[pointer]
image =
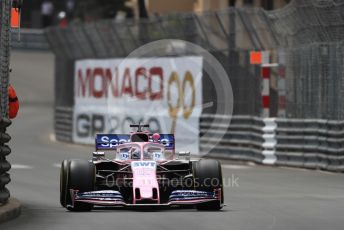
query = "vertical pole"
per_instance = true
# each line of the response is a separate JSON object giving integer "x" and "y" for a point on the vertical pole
{"x": 5, "y": 54}
{"x": 265, "y": 74}
{"x": 143, "y": 14}
{"x": 232, "y": 29}
{"x": 281, "y": 84}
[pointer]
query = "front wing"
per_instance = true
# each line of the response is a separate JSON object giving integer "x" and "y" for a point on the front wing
{"x": 115, "y": 199}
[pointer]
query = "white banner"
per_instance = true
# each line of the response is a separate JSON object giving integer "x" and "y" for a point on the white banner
{"x": 166, "y": 93}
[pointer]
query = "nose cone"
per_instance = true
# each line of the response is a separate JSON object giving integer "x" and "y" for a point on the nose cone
{"x": 144, "y": 179}
{"x": 146, "y": 193}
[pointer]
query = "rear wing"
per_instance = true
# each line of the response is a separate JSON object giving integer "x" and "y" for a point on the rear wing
{"x": 167, "y": 140}
{"x": 111, "y": 141}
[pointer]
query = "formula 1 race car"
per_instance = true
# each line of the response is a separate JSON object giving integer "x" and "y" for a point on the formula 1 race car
{"x": 144, "y": 171}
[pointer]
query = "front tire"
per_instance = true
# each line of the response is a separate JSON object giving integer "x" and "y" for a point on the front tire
{"x": 208, "y": 176}
{"x": 63, "y": 182}
{"x": 81, "y": 177}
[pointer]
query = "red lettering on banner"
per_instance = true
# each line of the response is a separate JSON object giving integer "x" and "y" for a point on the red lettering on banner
{"x": 101, "y": 82}
{"x": 126, "y": 83}
{"x": 84, "y": 82}
{"x": 157, "y": 74}
{"x": 112, "y": 82}
{"x": 98, "y": 93}
{"x": 140, "y": 73}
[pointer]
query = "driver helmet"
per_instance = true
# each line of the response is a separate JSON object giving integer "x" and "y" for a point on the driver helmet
{"x": 135, "y": 154}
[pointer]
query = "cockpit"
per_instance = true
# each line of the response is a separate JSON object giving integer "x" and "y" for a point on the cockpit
{"x": 135, "y": 151}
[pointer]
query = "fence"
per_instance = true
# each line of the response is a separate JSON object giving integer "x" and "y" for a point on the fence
{"x": 211, "y": 30}
{"x": 5, "y": 7}
{"x": 309, "y": 32}
{"x": 312, "y": 33}
{"x": 315, "y": 79}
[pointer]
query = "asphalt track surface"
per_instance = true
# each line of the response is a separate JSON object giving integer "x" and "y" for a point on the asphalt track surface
{"x": 258, "y": 198}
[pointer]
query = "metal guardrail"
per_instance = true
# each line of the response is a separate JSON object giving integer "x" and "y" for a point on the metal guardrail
{"x": 63, "y": 121}
{"x": 243, "y": 139}
{"x": 314, "y": 144}
{"x": 30, "y": 39}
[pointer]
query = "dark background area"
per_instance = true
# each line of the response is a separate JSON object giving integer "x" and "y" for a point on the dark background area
{"x": 90, "y": 10}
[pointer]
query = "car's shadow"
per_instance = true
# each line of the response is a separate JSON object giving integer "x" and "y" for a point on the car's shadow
{"x": 155, "y": 209}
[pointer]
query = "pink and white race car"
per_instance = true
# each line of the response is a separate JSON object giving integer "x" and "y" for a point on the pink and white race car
{"x": 143, "y": 171}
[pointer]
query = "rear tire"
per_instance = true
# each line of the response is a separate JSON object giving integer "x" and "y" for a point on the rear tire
{"x": 208, "y": 176}
{"x": 81, "y": 177}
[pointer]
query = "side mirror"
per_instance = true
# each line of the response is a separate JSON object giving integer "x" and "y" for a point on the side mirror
{"x": 185, "y": 154}
{"x": 97, "y": 155}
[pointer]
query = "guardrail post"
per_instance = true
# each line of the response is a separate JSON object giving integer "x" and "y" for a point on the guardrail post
{"x": 269, "y": 145}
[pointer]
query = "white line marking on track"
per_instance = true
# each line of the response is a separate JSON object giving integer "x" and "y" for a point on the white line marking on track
{"x": 235, "y": 167}
{"x": 57, "y": 165}
{"x": 19, "y": 166}
{"x": 251, "y": 164}
{"x": 52, "y": 137}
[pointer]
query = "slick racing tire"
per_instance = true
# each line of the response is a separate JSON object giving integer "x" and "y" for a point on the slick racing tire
{"x": 63, "y": 182}
{"x": 81, "y": 177}
{"x": 207, "y": 177}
